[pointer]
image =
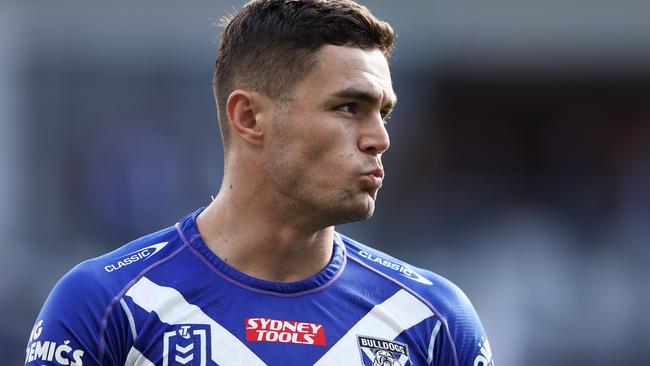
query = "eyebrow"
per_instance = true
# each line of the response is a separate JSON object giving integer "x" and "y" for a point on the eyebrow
{"x": 363, "y": 96}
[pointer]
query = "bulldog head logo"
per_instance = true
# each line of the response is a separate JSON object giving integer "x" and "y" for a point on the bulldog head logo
{"x": 385, "y": 358}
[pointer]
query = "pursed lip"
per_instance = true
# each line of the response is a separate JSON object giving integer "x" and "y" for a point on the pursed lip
{"x": 379, "y": 173}
{"x": 375, "y": 177}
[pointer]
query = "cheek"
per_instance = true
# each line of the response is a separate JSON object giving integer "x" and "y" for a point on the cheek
{"x": 332, "y": 144}
{"x": 316, "y": 145}
{"x": 333, "y": 151}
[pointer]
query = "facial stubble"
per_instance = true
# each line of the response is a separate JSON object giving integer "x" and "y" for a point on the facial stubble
{"x": 327, "y": 200}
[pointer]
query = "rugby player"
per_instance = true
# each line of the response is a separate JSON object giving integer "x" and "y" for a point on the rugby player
{"x": 260, "y": 276}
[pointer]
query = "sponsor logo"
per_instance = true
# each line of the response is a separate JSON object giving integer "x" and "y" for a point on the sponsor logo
{"x": 403, "y": 269}
{"x": 186, "y": 344}
{"x": 139, "y": 255}
{"x": 382, "y": 352}
{"x": 485, "y": 357}
{"x": 284, "y": 331}
{"x": 51, "y": 351}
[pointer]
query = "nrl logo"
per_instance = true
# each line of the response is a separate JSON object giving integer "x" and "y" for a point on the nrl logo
{"x": 381, "y": 352}
{"x": 187, "y": 344}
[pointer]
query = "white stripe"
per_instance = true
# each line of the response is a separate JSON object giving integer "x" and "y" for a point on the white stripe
{"x": 403, "y": 359}
{"x": 386, "y": 320}
{"x": 172, "y": 308}
{"x": 135, "y": 358}
{"x": 432, "y": 342}
{"x": 129, "y": 316}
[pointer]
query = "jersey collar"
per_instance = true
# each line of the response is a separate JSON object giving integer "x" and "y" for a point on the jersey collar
{"x": 321, "y": 280}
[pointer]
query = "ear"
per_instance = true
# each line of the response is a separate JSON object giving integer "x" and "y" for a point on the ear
{"x": 247, "y": 114}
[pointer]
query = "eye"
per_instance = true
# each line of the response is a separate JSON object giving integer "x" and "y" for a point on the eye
{"x": 347, "y": 108}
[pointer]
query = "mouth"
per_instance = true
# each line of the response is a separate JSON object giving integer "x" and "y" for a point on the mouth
{"x": 379, "y": 173}
{"x": 374, "y": 178}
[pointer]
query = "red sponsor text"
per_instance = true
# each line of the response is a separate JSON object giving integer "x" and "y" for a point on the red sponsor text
{"x": 284, "y": 331}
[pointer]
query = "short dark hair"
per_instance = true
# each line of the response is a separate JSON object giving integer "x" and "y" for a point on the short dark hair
{"x": 269, "y": 45}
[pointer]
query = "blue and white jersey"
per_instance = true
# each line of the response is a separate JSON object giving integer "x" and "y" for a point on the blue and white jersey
{"x": 167, "y": 300}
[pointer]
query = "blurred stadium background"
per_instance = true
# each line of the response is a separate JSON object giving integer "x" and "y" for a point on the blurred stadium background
{"x": 519, "y": 166}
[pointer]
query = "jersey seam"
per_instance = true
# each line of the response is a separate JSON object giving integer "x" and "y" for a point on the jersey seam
{"x": 120, "y": 295}
{"x": 419, "y": 297}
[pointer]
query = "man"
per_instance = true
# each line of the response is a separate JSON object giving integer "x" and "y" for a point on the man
{"x": 260, "y": 277}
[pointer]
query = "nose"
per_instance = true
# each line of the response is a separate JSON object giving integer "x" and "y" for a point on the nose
{"x": 374, "y": 138}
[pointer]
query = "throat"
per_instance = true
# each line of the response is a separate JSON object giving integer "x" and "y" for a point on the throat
{"x": 275, "y": 261}
{"x": 279, "y": 254}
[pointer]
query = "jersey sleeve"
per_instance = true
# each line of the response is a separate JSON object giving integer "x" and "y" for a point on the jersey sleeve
{"x": 465, "y": 343}
{"x": 81, "y": 323}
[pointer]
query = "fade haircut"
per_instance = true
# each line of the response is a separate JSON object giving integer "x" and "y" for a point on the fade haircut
{"x": 269, "y": 45}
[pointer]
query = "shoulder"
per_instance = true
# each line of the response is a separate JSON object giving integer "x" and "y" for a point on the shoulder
{"x": 132, "y": 258}
{"x": 83, "y": 311}
{"x": 112, "y": 271}
{"x": 433, "y": 288}
{"x": 466, "y": 336}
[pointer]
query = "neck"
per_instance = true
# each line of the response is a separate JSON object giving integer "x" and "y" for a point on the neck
{"x": 260, "y": 238}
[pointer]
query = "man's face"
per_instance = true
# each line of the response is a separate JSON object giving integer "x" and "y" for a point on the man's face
{"x": 325, "y": 147}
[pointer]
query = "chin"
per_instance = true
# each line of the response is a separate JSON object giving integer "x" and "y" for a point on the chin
{"x": 350, "y": 209}
{"x": 361, "y": 211}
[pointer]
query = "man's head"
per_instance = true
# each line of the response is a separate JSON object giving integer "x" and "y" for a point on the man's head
{"x": 269, "y": 45}
{"x": 304, "y": 88}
